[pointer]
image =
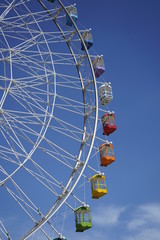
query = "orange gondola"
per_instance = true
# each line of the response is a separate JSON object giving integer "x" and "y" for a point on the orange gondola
{"x": 106, "y": 154}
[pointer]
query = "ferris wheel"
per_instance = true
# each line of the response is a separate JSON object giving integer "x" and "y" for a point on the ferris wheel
{"x": 48, "y": 118}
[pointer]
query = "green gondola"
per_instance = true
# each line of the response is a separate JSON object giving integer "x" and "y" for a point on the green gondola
{"x": 83, "y": 218}
{"x": 52, "y": 1}
{"x": 59, "y": 239}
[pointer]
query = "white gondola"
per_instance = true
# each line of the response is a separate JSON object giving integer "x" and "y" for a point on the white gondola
{"x": 105, "y": 93}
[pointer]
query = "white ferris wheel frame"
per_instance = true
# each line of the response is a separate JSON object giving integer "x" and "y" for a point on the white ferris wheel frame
{"x": 79, "y": 166}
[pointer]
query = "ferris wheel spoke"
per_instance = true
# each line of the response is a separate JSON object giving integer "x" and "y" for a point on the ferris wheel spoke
{"x": 54, "y": 146}
{"x": 17, "y": 125}
{"x": 68, "y": 124}
{"x": 69, "y": 78}
{"x": 24, "y": 119}
{"x": 21, "y": 196}
{"x": 12, "y": 141}
{"x": 52, "y": 182}
{"x": 57, "y": 184}
{"x": 28, "y": 206}
{"x": 33, "y": 101}
{"x": 28, "y": 106}
{"x": 35, "y": 80}
{"x": 63, "y": 59}
{"x": 4, "y": 232}
{"x": 32, "y": 34}
{"x": 29, "y": 66}
{"x": 68, "y": 85}
{"x": 53, "y": 154}
{"x": 63, "y": 128}
{"x": 9, "y": 7}
{"x": 23, "y": 204}
{"x": 4, "y": 154}
{"x": 23, "y": 134}
{"x": 11, "y": 149}
{"x": 71, "y": 108}
{"x": 41, "y": 179}
{"x": 23, "y": 131}
{"x": 70, "y": 103}
{"x": 66, "y": 133}
{"x": 35, "y": 88}
{"x": 30, "y": 70}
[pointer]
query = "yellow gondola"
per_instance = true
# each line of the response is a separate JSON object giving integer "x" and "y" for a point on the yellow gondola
{"x": 98, "y": 186}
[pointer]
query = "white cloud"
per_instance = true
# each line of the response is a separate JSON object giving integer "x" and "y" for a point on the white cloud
{"x": 108, "y": 215}
{"x": 151, "y": 212}
{"x": 136, "y": 223}
{"x": 144, "y": 234}
{"x": 145, "y": 216}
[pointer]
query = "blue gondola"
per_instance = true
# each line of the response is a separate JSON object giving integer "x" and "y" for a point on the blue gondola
{"x": 88, "y": 39}
{"x": 72, "y": 10}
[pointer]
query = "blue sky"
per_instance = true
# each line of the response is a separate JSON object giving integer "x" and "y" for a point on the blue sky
{"x": 127, "y": 34}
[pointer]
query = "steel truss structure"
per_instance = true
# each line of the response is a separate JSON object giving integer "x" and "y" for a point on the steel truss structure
{"x": 48, "y": 114}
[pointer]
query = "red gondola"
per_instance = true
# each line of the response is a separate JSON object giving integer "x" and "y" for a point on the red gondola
{"x": 109, "y": 123}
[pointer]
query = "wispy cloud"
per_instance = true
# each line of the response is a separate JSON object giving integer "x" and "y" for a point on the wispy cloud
{"x": 107, "y": 215}
{"x": 145, "y": 234}
{"x": 145, "y": 216}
